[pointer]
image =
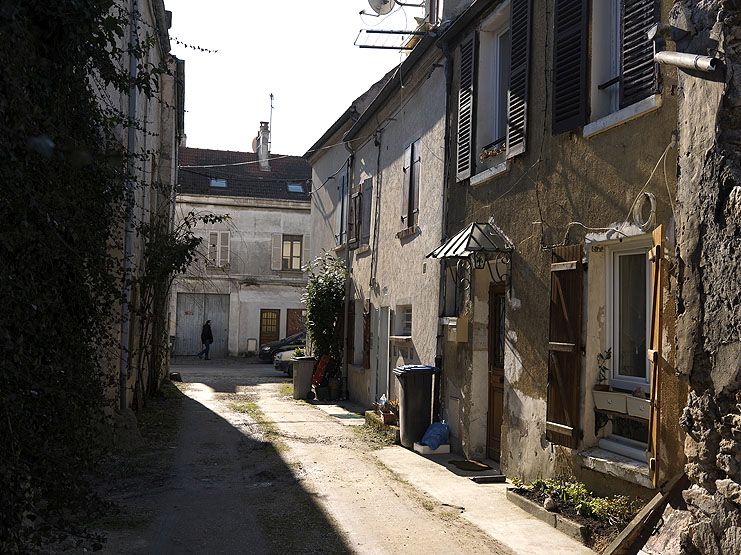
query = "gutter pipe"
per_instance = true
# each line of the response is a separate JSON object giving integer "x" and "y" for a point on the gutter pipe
{"x": 686, "y": 61}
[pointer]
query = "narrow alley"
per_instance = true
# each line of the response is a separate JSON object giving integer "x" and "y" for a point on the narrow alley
{"x": 256, "y": 471}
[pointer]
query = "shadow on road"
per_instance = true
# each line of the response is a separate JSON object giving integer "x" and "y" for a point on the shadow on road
{"x": 229, "y": 491}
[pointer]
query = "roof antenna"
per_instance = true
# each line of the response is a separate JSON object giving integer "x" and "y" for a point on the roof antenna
{"x": 270, "y": 137}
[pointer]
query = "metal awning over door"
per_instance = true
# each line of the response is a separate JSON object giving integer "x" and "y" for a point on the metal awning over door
{"x": 476, "y": 238}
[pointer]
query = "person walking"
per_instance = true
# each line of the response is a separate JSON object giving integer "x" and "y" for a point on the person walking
{"x": 207, "y": 337}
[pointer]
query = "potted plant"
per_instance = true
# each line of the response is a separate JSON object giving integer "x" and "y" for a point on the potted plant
{"x": 604, "y": 399}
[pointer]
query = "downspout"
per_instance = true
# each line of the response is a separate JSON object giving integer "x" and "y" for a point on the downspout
{"x": 438, "y": 399}
{"x": 348, "y": 261}
{"x": 128, "y": 247}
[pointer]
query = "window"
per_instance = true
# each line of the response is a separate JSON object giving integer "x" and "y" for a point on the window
{"x": 218, "y": 248}
{"x": 410, "y": 187}
{"x": 494, "y": 70}
{"x": 218, "y": 183}
{"x": 493, "y": 88}
{"x": 341, "y": 209}
{"x": 403, "y": 317}
{"x": 360, "y": 213}
{"x": 292, "y": 245}
{"x": 296, "y": 188}
{"x": 621, "y": 62}
{"x": 629, "y": 319}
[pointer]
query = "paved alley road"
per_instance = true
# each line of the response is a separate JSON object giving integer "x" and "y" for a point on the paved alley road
{"x": 257, "y": 472}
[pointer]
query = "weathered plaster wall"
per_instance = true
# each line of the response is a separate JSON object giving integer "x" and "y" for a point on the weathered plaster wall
{"x": 394, "y": 270}
{"x": 709, "y": 266}
{"x": 249, "y": 279}
{"x": 560, "y": 179}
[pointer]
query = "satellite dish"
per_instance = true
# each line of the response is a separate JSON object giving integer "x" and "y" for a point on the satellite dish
{"x": 254, "y": 144}
{"x": 382, "y": 7}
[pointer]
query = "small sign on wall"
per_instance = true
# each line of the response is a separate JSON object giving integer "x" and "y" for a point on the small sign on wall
{"x": 189, "y": 313}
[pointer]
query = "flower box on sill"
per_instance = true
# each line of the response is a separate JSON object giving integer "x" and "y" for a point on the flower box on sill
{"x": 640, "y": 408}
{"x": 610, "y": 401}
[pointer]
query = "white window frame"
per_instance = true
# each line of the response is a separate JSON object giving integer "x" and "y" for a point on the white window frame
{"x": 490, "y": 87}
{"x": 630, "y": 246}
{"x": 222, "y": 247}
{"x": 291, "y": 240}
{"x": 604, "y": 65}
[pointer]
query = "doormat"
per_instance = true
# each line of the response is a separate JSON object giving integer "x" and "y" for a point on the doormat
{"x": 472, "y": 466}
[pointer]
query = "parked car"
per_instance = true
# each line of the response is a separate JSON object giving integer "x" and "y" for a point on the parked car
{"x": 268, "y": 351}
{"x": 282, "y": 361}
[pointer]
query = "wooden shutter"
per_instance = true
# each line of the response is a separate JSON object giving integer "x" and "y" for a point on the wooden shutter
{"x": 276, "y": 259}
{"x": 570, "y": 65}
{"x": 406, "y": 186}
{"x": 341, "y": 209}
{"x": 354, "y": 218}
{"x": 654, "y": 351}
{"x": 224, "y": 248}
{"x": 306, "y": 249}
{"x": 213, "y": 248}
{"x": 467, "y": 109}
{"x": 519, "y": 74}
{"x": 414, "y": 184}
{"x": 637, "y": 67}
{"x": 366, "y": 335}
{"x": 366, "y": 203}
{"x": 351, "y": 332}
{"x": 564, "y": 347}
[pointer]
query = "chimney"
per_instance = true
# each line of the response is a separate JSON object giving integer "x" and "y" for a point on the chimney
{"x": 263, "y": 146}
{"x": 452, "y": 8}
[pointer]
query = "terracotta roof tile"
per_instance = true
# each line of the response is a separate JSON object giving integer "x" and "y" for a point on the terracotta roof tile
{"x": 246, "y": 180}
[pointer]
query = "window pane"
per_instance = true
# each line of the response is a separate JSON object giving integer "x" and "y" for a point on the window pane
{"x": 296, "y": 265}
{"x": 632, "y": 316}
{"x": 296, "y": 249}
{"x": 286, "y": 248}
{"x": 504, "y": 71}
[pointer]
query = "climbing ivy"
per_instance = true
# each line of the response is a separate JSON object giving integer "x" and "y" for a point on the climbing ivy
{"x": 62, "y": 176}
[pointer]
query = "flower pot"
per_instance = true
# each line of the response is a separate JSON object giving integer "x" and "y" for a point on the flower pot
{"x": 640, "y": 408}
{"x": 389, "y": 418}
{"x": 335, "y": 389}
{"x": 610, "y": 400}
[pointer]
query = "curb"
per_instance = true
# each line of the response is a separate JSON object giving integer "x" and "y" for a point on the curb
{"x": 572, "y": 529}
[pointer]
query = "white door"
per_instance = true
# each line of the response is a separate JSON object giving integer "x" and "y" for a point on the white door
{"x": 193, "y": 309}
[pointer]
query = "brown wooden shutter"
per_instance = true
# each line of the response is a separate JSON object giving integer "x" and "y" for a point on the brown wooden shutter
{"x": 564, "y": 347}
{"x": 366, "y": 335}
{"x": 354, "y": 219}
{"x": 365, "y": 209}
{"x": 414, "y": 184}
{"x": 351, "y": 332}
{"x": 654, "y": 351}
{"x": 519, "y": 77}
{"x": 637, "y": 68}
{"x": 467, "y": 109}
{"x": 213, "y": 248}
{"x": 570, "y": 65}
{"x": 406, "y": 186}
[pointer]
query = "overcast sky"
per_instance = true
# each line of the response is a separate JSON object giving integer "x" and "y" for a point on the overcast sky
{"x": 301, "y": 51}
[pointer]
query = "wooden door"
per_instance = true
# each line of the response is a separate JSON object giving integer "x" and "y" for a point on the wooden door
{"x": 269, "y": 325}
{"x": 295, "y": 321}
{"x": 496, "y": 371}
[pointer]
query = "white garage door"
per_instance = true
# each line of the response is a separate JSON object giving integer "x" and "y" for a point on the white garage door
{"x": 193, "y": 309}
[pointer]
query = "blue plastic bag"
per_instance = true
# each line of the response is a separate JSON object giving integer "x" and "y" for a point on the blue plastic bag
{"x": 435, "y": 436}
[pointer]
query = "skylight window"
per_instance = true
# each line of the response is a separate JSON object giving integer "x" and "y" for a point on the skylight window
{"x": 296, "y": 188}
{"x": 221, "y": 183}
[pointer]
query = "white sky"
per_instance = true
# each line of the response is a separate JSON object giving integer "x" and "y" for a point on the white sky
{"x": 301, "y": 51}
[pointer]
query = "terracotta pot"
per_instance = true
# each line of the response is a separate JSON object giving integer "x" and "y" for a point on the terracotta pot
{"x": 389, "y": 418}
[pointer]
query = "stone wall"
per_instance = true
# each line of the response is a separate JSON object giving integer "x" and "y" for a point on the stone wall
{"x": 708, "y": 274}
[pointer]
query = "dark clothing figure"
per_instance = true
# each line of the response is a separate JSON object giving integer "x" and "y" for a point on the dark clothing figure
{"x": 207, "y": 337}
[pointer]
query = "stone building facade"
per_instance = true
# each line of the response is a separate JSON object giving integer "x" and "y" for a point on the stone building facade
{"x": 563, "y": 152}
{"x": 248, "y": 278}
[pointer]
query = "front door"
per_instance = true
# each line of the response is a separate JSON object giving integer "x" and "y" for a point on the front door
{"x": 496, "y": 370}
{"x": 269, "y": 325}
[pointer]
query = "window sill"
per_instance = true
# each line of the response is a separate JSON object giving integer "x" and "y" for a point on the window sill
{"x": 400, "y": 338}
{"x": 485, "y": 176}
{"x": 622, "y": 116}
{"x": 340, "y": 248}
{"x": 408, "y": 232}
{"x": 618, "y": 466}
{"x": 361, "y": 250}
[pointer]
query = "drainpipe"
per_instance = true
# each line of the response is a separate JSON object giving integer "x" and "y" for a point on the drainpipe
{"x": 437, "y": 401}
{"x": 348, "y": 261}
{"x": 128, "y": 247}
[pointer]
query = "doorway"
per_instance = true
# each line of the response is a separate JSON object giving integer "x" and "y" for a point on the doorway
{"x": 193, "y": 309}
{"x": 496, "y": 371}
{"x": 269, "y": 325}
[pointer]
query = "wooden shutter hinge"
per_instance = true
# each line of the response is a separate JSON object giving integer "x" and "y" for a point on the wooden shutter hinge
{"x": 652, "y": 464}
